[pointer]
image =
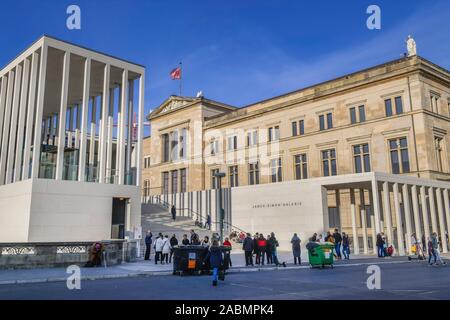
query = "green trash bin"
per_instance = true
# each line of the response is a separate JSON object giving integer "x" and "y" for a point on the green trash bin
{"x": 320, "y": 254}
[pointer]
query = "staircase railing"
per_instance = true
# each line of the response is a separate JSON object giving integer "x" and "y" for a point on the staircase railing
{"x": 198, "y": 215}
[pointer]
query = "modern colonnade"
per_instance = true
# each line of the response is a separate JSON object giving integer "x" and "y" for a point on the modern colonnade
{"x": 401, "y": 206}
{"x": 66, "y": 99}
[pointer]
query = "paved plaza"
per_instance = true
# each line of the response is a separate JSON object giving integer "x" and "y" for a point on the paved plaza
{"x": 400, "y": 279}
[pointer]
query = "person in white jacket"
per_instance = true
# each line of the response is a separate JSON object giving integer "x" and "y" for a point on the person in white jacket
{"x": 159, "y": 244}
{"x": 166, "y": 249}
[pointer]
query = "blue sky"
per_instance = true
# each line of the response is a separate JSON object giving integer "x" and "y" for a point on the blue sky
{"x": 235, "y": 51}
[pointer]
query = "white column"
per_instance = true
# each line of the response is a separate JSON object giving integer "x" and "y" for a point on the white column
{"x": 441, "y": 219}
{"x": 426, "y": 222}
{"x": 13, "y": 125}
{"x": 447, "y": 209}
{"x": 129, "y": 131}
{"x": 434, "y": 225}
{"x": 121, "y": 141}
{"x": 376, "y": 205}
{"x": 387, "y": 211}
{"x": 4, "y": 151}
{"x": 141, "y": 130}
{"x": 39, "y": 111}
{"x": 109, "y": 138}
{"x": 77, "y": 127}
{"x": 70, "y": 129}
{"x": 363, "y": 220}
{"x": 84, "y": 119}
{"x": 353, "y": 213}
{"x": 3, "y": 93}
{"x": 398, "y": 219}
{"x": 92, "y": 134}
{"x": 102, "y": 139}
{"x": 62, "y": 117}
{"x": 415, "y": 202}
{"x": 21, "y": 122}
{"x": 407, "y": 209}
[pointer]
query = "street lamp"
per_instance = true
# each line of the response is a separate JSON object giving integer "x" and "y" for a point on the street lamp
{"x": 219, "y": 176}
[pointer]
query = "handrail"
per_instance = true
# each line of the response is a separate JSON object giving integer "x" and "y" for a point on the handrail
{"x": 167, "y": 204}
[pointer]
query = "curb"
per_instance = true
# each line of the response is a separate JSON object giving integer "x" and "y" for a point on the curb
{"x": 165, "y": 273}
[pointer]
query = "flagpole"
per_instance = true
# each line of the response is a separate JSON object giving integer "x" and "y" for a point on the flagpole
{"x": 181, "y": 76}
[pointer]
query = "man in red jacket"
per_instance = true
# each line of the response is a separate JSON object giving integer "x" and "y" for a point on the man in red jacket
{"x": 262, "y": 244}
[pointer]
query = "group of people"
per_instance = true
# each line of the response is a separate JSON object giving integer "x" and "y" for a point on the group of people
{"x": 262, "y": 248}
{"x": 432, "y": 246}
{"x": 341, "y": 242}
{"x": 164, "y": 247}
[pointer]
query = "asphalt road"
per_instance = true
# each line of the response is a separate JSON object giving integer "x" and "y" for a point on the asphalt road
{"x": 411, "y": 280}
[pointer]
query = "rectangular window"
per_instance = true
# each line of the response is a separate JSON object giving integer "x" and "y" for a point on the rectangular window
{"x": 398, "y": 106}
{"x": 275, "y": 170}
{"x": 166, "y": 148}
{"x": 361, "y": 158}
{"x": 165, "y": 182}
{"x": 440, "y": 154}
{"x": 183, "y": 141}
{"x": 214, "y": 145}
{"x": 253, "y": 173}
{"x": 232, "y": 143}
{"x": 329, "y": 166}
{"x": 362, "y": 113}
{"x": 301, "y": 127}
{"x": 183, "y": 180}
{"x": 353, "y": 119}
{"x": 434, "y": 100}
{"x": 146, "y": 188}
{"x": 252, "y": 138}
{"x": 274, "y": 133}
{"x": 174, "y": 145}
{"x": 214, "y": 179}
{"x": 146, "y": 162}
{"x": 325, "y": 121}
{"x": 294, "y": 128}
{"x": 398, "y": 149}
{"x": 301, "y": 166}
{"x": 233, "y": 176}
{"x": 174, "y": 181}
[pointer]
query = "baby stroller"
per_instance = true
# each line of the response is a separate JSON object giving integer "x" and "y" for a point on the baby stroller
{"x": 417, "y": 251}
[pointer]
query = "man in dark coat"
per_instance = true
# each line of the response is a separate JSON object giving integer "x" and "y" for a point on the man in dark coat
{"x": 247, "y": 246}
{"x": 173, "y": 210}
{"x": 173, "y": 242}
{"x": 337, "y": 243}
{"x": 148, "y": 245}
{"x": 215, "y": 259}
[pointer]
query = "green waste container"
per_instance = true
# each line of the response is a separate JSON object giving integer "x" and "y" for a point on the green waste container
{"x": 320, "y": 254}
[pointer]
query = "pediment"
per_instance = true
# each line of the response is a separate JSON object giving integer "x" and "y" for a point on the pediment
{"x": 171, "y": 104}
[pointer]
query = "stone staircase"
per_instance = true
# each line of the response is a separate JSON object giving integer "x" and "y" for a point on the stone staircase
{"x": 157, "y": 218}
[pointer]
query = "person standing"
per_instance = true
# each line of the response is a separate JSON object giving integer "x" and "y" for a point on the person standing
{"x": 215, "y": 258}
{"x": 166, "y": 249}
{"x": 185, "y": 240}
{"x": 148, "y": 245}
{"x": 435, "y": 242}
{"x": 274, "y": 245}
{"x": 247, "y": 246}
{"x": 173, "y": 243}
{"x": 431, "y": 253}
{"x": 380, "y": 246}
{"x": 205, "y": 241}
{"x": 194, "y": 238}
{"x": 262, "y": 244}
{"x": 296, "y": 248}
{"x": 208, "y": 222}
{"x": 227, "y": 243}
{"x": 345, "y": 246}
{"x": 255, "y": 247}
{"x": 337, "y": 243}
{"x": 269, "y": 251}
{"x": 159, "y": 243}
{"x": 313, "y": 238}
{"x": 173, "y": 211}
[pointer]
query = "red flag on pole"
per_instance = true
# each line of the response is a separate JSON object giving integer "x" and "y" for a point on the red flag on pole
{"x": 175, "y": 74}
